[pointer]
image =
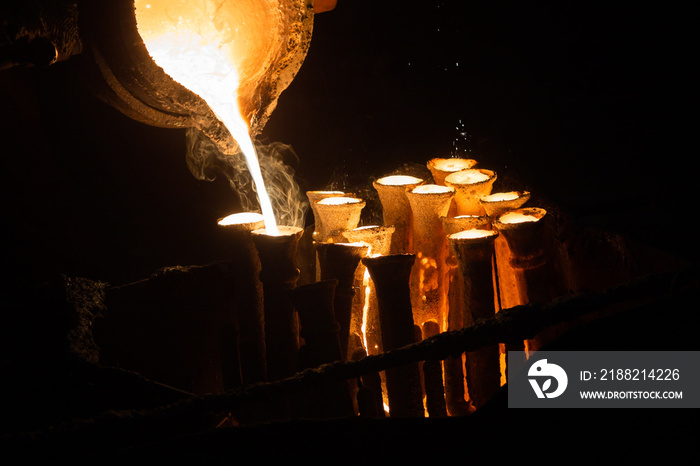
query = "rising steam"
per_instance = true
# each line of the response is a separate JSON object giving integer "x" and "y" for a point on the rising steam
{"x": 206, "y": 161}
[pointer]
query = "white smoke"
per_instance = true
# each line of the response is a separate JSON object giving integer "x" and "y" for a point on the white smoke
{"x": 206, "y": 161}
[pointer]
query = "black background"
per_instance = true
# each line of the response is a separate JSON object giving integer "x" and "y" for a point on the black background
{"x": 589, "y": 104}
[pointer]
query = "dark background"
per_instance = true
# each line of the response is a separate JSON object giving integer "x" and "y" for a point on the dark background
{"x": 587, "y": 103}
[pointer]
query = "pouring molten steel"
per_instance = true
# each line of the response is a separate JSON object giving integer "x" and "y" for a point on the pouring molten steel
{"x": 220, "y": 50}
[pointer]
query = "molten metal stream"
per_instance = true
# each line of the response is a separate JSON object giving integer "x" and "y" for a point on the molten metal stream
{"x": 192, "y": 45}
{"x": 365, "y": 308}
